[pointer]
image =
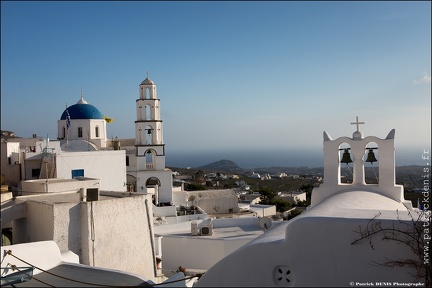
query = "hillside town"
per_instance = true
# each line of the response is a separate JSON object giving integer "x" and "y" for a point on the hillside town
{"x": 88, "y": 208}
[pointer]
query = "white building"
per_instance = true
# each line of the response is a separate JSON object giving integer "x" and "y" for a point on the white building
{"x": 292, "y": 197}
{"x": 322, "y": 246}
{"x": 80, "y": 152}
{"x": 73, "y": 193}
{"x": 82, "y": 121}
{"x": 78, "y": 198}
{"x": 198, "y": 252}
{"x": 100, "y": 227}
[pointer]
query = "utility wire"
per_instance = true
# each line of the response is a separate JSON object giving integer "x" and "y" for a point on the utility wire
{"x": 66, "y": 278}
{"x": 186, "y": 278}
{"x": 199, "y": 275}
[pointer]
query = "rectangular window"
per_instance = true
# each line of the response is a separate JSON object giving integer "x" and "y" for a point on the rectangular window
{"x": 79, "y": 132}
{"x": 97, "y": 131}
{"x": 35, "y": 173}
{"x": 77, "y": 173}
{"x": 127, "y": 160}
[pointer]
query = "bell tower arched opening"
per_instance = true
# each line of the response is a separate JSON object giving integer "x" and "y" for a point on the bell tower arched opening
{"x": 371, "y": 164}
{"x": 346, "y": 169}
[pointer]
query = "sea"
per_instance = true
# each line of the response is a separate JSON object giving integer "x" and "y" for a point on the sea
{"x": 272, "y": 158}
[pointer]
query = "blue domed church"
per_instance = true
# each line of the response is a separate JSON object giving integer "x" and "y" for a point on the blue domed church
{"x": 83, "y": 122}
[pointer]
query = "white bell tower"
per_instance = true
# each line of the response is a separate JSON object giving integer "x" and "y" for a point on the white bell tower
{"x": 332, "y": 185}
{"x": 152, "y": 176}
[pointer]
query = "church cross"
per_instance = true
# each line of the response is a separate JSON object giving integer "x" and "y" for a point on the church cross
{"x": 357, "y": 123}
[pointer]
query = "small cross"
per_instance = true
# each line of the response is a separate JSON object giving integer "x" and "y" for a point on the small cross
{"x": 357, "y": 123}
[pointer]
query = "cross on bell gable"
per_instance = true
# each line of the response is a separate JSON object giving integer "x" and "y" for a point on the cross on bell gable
{"x": 357, "y": 134}
{"x": 357, "y": 123}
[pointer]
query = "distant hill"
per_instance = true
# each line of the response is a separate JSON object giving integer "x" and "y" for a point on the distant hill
{"x": 231, "y": 166}
{"x": 222, "y": 166}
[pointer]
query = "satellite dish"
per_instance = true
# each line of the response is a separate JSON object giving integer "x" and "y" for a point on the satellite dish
{"x": 265, "y": 223}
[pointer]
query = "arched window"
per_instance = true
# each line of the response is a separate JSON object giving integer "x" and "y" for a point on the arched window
{"x": 345, "y": 164}
{"x": 149, "y": 160}
{"x": 370, "y": 160}
{"x": 147, "y": 112}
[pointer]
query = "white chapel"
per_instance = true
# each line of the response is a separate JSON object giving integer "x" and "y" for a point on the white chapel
{"x": 324, "y": 246}
{"x": 82, "y": 122}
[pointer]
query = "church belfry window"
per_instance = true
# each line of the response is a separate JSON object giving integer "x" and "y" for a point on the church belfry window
{"x": 80, "y": 132}
{"x": 346, "y": 164}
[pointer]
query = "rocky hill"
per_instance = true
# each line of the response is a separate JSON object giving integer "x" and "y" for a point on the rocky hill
{"x": 222, "y": 166}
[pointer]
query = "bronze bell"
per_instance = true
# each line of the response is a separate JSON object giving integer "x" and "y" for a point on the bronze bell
{"x": 149, "y": 131}
{"x": 371, "y": 157}
{"x": 346, "y": 158}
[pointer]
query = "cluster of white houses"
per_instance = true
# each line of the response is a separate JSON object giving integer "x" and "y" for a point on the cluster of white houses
{"x": 109, "y": 206}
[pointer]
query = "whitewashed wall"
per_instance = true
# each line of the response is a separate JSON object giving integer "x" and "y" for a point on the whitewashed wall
{"x": 122, "y": 231}
{"x": 108, "y": 166}
{"x": 10, "y": 152}
{"x": 317, "y": 251}
{"x": 179, "y": 247}
{"x": 56, "y": 185}
{"x": 122, "y": 237}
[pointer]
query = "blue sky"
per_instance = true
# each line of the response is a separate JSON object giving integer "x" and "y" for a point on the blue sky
{"x": 231, "y": 76}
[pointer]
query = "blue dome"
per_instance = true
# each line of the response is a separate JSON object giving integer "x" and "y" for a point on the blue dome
{"x": 82, "y": 111}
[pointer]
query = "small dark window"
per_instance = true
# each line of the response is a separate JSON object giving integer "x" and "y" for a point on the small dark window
{"x": 127, "y": 160}
{"x": 35, "y": 173}
{"x": 80, "y": 132}
{"x": 97, "y": 131}
{"x": 77, "y": 173}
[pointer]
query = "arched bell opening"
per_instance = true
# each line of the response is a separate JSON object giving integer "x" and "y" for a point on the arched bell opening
{"x": 149, "y": 135}
{"x": 371, "y": 163}
{"x": 147, "y": 93}
{"x": 345, "y": 163}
